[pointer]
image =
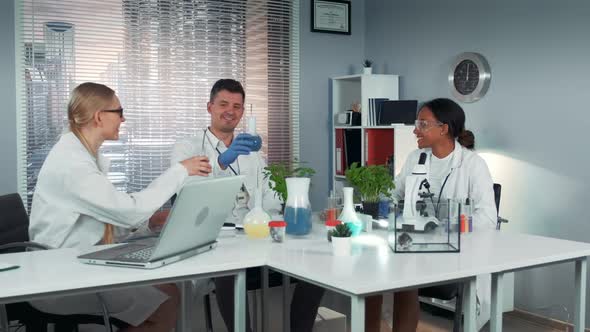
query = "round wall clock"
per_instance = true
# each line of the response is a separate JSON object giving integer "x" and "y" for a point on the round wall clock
{"x": 469, "y": 77}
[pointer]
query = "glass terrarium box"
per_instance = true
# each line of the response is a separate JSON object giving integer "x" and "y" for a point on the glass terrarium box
{"x": 430, "y": 225}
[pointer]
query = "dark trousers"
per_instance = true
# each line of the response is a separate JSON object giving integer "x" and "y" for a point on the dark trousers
{"x": 304, "y": 305}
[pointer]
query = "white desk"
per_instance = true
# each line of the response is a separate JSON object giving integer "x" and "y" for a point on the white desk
{"x": 57, "y": 272}
{"x": 372, "y": 269}
{"x": 376, "y": 269}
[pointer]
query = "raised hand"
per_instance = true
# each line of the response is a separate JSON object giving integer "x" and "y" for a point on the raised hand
{"x": 242, "y": 144}
{"x": 198, "y": 165}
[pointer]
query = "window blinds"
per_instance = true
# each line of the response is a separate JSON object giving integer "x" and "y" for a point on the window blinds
{"x": 161, "y": 57}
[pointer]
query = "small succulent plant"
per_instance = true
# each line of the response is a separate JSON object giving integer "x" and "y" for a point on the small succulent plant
{"x": 367, "y": 63}
{"x": 341, "y": 230}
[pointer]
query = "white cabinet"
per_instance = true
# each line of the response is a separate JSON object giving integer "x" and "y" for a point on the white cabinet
{"x": 368, "y": 145}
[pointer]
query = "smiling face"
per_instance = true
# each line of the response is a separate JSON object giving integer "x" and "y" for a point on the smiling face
{"x": 109, "y": 121}
{"x": 428, "y": 129}
{"x": 226, "y": 111}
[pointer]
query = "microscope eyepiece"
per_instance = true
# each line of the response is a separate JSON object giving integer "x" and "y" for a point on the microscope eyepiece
{"x": 422, "y": 159}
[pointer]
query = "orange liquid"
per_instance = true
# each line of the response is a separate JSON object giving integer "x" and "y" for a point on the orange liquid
{"x": 331, "y": 214}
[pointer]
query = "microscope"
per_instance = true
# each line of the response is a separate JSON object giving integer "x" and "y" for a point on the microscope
{"x": 415, "y": 214}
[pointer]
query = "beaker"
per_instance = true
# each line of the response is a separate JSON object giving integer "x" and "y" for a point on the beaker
{"x": 331, "y": 207}
{"x": 297, "y": 207}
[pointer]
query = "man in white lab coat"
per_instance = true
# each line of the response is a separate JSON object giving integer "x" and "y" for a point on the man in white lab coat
{"x": 232, "y": 155}
{"x": 229, "y": 156}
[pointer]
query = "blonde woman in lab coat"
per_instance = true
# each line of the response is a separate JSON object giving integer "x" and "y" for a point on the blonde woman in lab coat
{"x": 454, "y": 171}
{"x": 75, "y": 205}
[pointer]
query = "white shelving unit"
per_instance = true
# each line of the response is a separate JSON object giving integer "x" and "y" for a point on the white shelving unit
{"x": 347, "y": 90}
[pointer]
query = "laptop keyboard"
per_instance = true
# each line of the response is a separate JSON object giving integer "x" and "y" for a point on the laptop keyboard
{"x": 138, "y": 256}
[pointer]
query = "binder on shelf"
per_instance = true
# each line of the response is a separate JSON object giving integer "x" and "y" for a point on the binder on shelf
{"x": 375, "y": 105}
{"x": 398, "y": 112}
{"x": 352, "y": 147}
{"x": 340, "y": 156}
{"x": 379, "y": 146}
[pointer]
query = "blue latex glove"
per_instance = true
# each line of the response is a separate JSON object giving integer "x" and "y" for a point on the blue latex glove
{"x": 256, "y": 142}
{"x": 241, "y": 145}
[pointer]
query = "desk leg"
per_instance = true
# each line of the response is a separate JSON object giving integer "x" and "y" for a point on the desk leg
{"x": 580, "y": 304}
{"x": 357, "y": 313}
{"x": 3, "y": 318}
{"x": 186, "y": 296}
{"x": 264, "y": 304}
{"x": 286, "y": 304}
{"x": 497, "y": 301}
{"x": 240, "y": 301}
{"x": 470, "y": 306}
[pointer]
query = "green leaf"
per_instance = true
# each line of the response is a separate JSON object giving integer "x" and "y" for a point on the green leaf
{"x": 278, "y": 172}
{"x": 341, "y": 230}
{"x": 370, "y": 181}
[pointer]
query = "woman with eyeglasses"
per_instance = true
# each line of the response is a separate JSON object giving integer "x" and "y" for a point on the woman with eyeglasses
{"x": 454, "y": 171}
{"x": 75, "y": 205}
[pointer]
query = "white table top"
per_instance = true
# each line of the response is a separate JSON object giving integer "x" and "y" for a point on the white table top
{"x": 372, "y": 268}
{"x": 50, "y": 272}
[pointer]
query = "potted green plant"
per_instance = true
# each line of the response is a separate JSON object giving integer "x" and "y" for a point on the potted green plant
{"x": 341, "y": 240}
{"x": 367, "y": 66}
{"x": 371, "y": 182}
{"x": 277, "y": 173}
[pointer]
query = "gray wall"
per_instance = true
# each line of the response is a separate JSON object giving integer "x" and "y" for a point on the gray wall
{"x": 7, "y": 96}
{"x": 531, "y": 126}
{"x": 324, "y": 55}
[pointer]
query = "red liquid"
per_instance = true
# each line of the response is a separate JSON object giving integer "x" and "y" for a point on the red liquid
{"x": 331, "y": 214}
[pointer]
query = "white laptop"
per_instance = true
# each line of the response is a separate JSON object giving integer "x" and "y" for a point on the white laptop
{"x": 191, "y": 228}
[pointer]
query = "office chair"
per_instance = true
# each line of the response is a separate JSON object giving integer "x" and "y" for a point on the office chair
{"x": 14, "y": 237}
{"x": 455, "y": 291}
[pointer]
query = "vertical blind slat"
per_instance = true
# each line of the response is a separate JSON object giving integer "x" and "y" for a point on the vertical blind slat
{"x": 162, "y": 57}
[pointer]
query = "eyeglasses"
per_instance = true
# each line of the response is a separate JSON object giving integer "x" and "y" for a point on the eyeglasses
{"x": 424, "y": 125}
{"x": 118, "y": 111}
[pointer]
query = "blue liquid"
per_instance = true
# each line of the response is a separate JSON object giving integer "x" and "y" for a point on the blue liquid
{"x": 355, "y": 227}
{"x": 298, "y": 221}
{"x": 384, "y": 208}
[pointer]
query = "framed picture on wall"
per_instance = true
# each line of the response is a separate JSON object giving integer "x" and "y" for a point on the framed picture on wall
{"x": 331, "y": 16}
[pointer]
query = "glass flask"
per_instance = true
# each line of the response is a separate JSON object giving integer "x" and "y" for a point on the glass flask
{"x": 348, "y": 215}
{"x": 256, "y": 221}
{"x": 297, "y": 207}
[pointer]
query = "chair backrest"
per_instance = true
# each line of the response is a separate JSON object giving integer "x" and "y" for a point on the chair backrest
{"x": 497, "y": 193}
{"x": 14, "y": 221}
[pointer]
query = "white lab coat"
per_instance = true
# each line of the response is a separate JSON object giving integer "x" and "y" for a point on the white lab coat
{"x": 73, "y": 201}
{"x": 469, "y": 177}
{"x": 251, "y": 165}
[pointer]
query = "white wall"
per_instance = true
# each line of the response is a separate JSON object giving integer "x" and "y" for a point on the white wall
{"x": 324, "y": 55}
{"x": 533, "y": 121}
{"x": 7, "y": 100}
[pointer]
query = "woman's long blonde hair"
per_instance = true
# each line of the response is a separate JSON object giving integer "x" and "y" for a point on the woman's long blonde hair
{"x": 87, "y": 99}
